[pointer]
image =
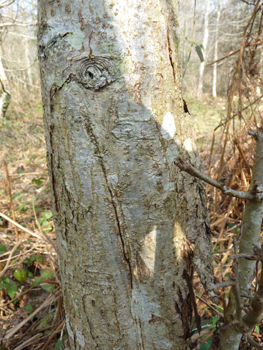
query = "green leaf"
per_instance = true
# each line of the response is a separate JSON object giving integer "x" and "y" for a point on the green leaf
{"x": 40, "y": 220}
{"x": 39, "y": 258}
{"x": 44, "y": 222}
{"x": 3, "y": 249}
{"x": 36, "y": 281}
{"x": 59, "y": 345}
{"x": 33, "y": 258}
{"x": 219, "y": 308}
{"x": 47, "y": 215}
{"x": 47, "y": 273}
{"x": 214, "y": 319}
{"x": 48, "y": 229}
{"x": 11, "y": 290}
{"x": 20, "y": 275}
{"x": 38, "y": 181}
{"x": 200, "y": 44}
{"x": 29, "y": 307}
{"x": 257, "y": 329}
{"x": 6, "y": 280}
{"x": 30, "y": 274}
{"x": 16, "y": 195}
{"x": 199, "y": 53}
{"x": 207, "y": 345}
{"x": 3, "y": 285}
{"x": 48, "y": 319}
{"x": 22, "y": 206}
{"x": 48, "y": 287}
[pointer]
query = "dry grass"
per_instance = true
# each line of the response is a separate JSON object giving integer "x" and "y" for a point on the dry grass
{"x": 32, "y": 317}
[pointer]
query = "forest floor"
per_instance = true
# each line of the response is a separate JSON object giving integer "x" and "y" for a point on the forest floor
{"x": 31, "y": 311}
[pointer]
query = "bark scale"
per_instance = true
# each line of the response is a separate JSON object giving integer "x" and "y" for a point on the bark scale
{"x": 130, "y": 227}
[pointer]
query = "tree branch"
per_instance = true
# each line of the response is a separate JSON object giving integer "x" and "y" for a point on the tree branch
{"x": 226, "y": 190}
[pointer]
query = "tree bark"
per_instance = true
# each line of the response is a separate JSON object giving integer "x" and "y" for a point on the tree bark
{"x": 130, "y": 226}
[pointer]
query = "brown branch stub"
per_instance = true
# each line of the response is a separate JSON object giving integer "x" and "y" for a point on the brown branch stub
{"x": 226, "y": 190}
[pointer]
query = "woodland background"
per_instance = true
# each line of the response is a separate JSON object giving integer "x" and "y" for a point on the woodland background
{"x": 225, "y": 101}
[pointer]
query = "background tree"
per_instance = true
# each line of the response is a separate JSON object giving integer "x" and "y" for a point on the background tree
{"x": 205, "y": 40}
{"x": 129, "y": 226}
{"x": 18, "y": 68}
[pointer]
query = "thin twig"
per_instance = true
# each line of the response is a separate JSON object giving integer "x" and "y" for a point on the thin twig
{"x": 226, "y": 190}
{"x": 228, "y": 283}
{"x": 233, "y": 53}
{"x": 21, "y": 227}
{"x": 210, "y": 306}
{"x": 41, "y": 230}
{"x": 231, "y": 100}
{"x": 10, "y": 255}
{"x": 51, "y": 299}
{"x": 253, "y": 343}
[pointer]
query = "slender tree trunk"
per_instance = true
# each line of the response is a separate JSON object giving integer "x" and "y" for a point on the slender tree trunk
{"x": 185, "y": 34}
{"x": 205, "y": 39}
{"x": 216, "y": 49}
{"x": 237, "y": 321}
{"x": 5, "y": 94}
{"x": 130, "y": 226}
{"x": 27, "y": 52}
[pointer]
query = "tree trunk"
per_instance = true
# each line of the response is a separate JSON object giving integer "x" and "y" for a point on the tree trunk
{"x": 28, "y": 64}
{"x": 216, "y": 48}
{"x": 5, "y": 94}
{"x": 130, "y": 227}
{"x": 205, "y": 40}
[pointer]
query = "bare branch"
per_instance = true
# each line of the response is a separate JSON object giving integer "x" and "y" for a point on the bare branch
{"x": 224, "y": 284}
{"x": 253, "y": 343}
{"x": 226, "y": 190}
{"x": 234, "y": 52}
{"x": 6, "y": 3}
{"x": 17, "y": 24}
{"x": 210, "y": 306}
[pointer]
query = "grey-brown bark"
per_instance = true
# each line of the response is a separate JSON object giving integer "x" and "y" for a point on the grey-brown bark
{"x": 130, "y": 226}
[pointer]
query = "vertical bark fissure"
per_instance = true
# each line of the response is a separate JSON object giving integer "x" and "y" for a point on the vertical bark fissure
{"x": 192, "y": 295}
{"x": 95, "y": 142}
{"x": 170, "y": 54}
{"x": 87, "y": 318}
{"x": 52, "y": 168}
{"x": 141, "y": 329}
